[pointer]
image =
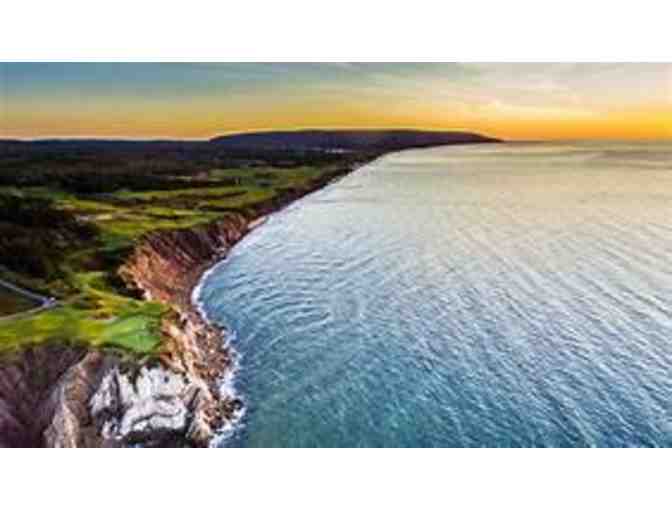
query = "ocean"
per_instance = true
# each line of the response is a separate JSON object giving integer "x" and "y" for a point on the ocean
{"x": 505, "y": 295}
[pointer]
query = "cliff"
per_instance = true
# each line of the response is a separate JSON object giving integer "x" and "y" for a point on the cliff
{"x": 91, "y": 398}
{"x": 68, "y": 396}
{"x": 180, "y": 399}
{"x": 44, "y": 394}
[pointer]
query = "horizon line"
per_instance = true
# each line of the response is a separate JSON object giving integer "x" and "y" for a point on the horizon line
{"x": 153, "y": 139}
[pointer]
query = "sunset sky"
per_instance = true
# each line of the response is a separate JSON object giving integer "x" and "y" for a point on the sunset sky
{"x": 512, "y": 101}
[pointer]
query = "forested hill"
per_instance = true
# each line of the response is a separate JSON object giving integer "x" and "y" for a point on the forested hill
{"x": 354, "y": 140}
{"x": 104, "y": 166}
{"x": 305, "y": 140}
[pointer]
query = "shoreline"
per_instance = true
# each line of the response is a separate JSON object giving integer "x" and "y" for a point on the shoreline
{"x": 182, "y": 392}
{"x": 182, "y": 395}
{"x": 221, "y": 371}
{"x": 227, "y": 380}
{"x": 197, "y": 362}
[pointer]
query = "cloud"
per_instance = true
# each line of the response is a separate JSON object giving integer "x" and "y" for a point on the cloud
{"x": 324, "y": 93}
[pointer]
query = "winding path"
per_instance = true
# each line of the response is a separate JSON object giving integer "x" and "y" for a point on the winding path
{"x": 44, "y": 302}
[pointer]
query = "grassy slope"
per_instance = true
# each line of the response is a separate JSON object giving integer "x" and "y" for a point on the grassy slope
{"x": 91, "y": 309}
{"x": 119, "y": 191}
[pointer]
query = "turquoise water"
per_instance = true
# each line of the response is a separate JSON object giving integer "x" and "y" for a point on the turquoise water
{"x": 511, "y": 295}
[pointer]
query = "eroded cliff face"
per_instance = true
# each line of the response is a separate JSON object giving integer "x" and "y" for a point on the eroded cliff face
{"x": 44, "y": 395}
{"x": 180, "y": 398}
{"x": 60, "y": 396}
{"x": 165, "y": 265}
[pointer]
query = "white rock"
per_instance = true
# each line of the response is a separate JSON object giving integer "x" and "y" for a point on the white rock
{"x": 152, "y": 405}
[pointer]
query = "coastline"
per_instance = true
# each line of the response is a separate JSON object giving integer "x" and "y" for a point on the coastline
{"x": 227, "y": 379}
{"x": 183, "y": 395}
{"x": 187, "y": 397}
{"x": 179, "y": 395}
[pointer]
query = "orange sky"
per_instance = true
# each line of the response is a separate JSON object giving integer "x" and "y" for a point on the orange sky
{"x": 511, "y": 101}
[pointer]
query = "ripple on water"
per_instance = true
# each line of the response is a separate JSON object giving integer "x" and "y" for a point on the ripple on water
{"x": 513, "y": 295}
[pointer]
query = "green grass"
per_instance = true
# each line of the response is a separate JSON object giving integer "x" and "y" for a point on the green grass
{"x": 149, "y": 196}
{"x": 96, "y": 316}
{"x": 133, "y": 327}
{"x": 91, "y": 311}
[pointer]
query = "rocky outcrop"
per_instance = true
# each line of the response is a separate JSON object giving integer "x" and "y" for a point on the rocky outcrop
{"x": 180, "y": 399}
{"x": 70, "y": 424}
{"x": 44, "y": 394}
{"x": 59, "y": 396}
